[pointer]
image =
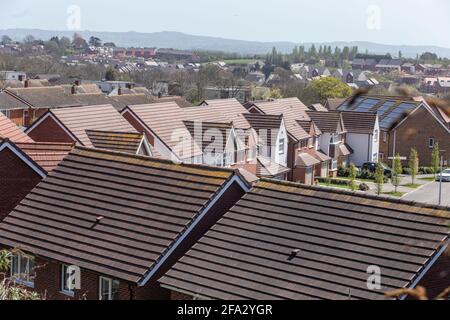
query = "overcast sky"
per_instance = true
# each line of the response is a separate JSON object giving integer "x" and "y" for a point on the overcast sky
{"x": 414, "y": 22}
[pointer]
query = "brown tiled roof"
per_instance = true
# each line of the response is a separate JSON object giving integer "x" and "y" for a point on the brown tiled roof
{"x": 115, "y": 141}
{"x": 343, "y": 150}
{"x": 9, "y": 101}
{"x": 120, "y": 102}
{"x": 290, "y": 241}
{"x": 45, "y": 97}
{"x": 103, "y": 118}
{"x": 334, "y": 103}
{"x": 93, "y": 99}
{"x": 326, "y": 121}
{"x": 306, "y": 160}
{"x": 46, "y": 154}
{"x": 182, "y": 102}
{"x": 112, "y": 213}
{"x": 232, "y": 110}
{"x": 292, "y": 110}
{"x": 359, "y": 122}
{"x": 267, "y": 168}
{"x": 319, "y": 155}
{"x": 166, "y": 121}
{"x": 9, "y": 130}
{"x": 319, "y": 107}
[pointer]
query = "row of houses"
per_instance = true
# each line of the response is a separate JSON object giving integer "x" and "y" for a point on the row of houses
{"x": 160, "y": 200}
{"x": 131, "y": 226}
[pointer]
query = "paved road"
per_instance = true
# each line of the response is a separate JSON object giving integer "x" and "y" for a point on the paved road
{"x": 430, "y": 194}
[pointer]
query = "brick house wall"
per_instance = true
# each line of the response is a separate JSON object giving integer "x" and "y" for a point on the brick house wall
{"x": 17, "y": 179}
{"x": 415, "y": 132}
{"x": 47, "y": 281}
{"x": 49, "y": 131}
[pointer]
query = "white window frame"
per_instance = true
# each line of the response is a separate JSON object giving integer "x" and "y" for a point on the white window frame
{"x": 26, "y": 278}
{"x": 384, "y": 136}
{"x": 334, "y": 165}
{"x": 431, "y": 143}
{"x": 64, "y": 281}
{"x": 375, "y": 136}
{"x": 335, "y": 139}
{"x": 281, "y": 146}
{"x": 110, "y": 281}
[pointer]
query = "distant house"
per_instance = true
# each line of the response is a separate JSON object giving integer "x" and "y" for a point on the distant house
{"x": 332, "y": 140}
{"x": 121, "y": 220}
{"x": 24, "y": 105}
{"x": 362, "y": 135}
{"x": 304, "y": 156}
{"x": 12, "y": 76}
{"x": 240, "y": 93}
{"x": 295, "y": 242}
{"x": 256, "y": 77}
{"x": 389, "y": 65}
{"x": 405, "y": 123}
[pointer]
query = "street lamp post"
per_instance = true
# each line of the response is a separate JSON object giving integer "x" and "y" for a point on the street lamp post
{"x": 440, "y": 175}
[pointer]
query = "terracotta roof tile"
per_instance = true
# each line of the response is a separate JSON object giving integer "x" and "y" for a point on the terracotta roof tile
{"x": 9, "y": 130}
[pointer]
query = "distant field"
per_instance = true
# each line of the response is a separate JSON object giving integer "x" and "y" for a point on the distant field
{"x": 241, "y": 61}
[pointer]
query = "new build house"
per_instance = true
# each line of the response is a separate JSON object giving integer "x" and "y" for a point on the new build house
{"x": 406, "y": 123}
{"x": 295, "y": 242}
{"x": 121, "y": 220}
{"x": 99, "y": 126}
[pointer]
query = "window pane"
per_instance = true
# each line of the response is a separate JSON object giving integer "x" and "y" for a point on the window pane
{"x": 105, "y": 288}
{"x": 115, "y": 290}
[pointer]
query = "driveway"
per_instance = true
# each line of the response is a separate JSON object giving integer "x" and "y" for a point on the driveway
{"x": 430, "y": 194}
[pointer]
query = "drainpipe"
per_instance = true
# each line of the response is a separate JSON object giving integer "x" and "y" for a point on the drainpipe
{"x": 130, "y": 289}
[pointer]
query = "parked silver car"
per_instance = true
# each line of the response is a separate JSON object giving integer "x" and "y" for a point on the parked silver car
{"x": 445, "y": 175}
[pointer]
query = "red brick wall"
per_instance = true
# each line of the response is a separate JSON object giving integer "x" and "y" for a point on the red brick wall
{"x": 139, "y": 127}
{"x": 49, "y": 131}
{"x": 17, "y": 179}
{"x": 415, "y": 133}
{"x": 179, "y": 296}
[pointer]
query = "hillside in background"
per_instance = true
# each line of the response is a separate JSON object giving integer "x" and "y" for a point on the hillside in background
{"x": 178, "y": 40}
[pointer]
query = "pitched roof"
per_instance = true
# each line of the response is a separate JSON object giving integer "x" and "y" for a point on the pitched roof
{"x": 121, "y": 101}
{"x": 9, "y": 130}
{"x": 44, "y": 97}
{"x": 265, "y": 167}
{"x": 290, "y": 241}
{"x": 318, "y": 107}
{"x": 112, "y": 213}
{"x": 9, "y": 101}
{"x": 359, "y": 122}
{"x": 305, "y": 159}
{"x": 165, "y": 120}
{"x": 264, "y": 121}
{"x": 103, "y": 118}
{"x": 93, "y": 99}
{"x": 326, "y": 121}
{"x": 390, "y": 109}
{"x": 232, "y": 110}
{"x": 116, "y": 141}
{"x": 292, "y": 110}
{"x": 46, "y": 154}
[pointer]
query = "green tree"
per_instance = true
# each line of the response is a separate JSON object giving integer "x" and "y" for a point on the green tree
{"x": 110, "y": 74}
{"x": 95, "y": 42}
{"x": 379, "y": 178}
{"x": 352, "y": 176}
{"x": 396, "y": 171}
{"x": 435, "y": 159}
{"x": 320, "y": 90}
{"x": 8, "y": 289}
{"x": 413, "y": 164}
